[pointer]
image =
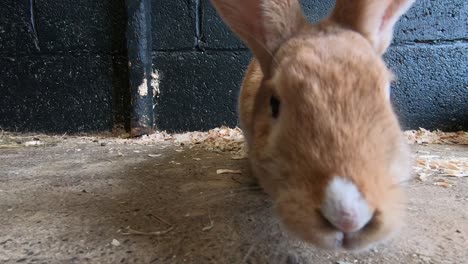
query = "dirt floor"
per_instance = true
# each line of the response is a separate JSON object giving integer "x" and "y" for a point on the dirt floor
{"x": 103, "y": 200}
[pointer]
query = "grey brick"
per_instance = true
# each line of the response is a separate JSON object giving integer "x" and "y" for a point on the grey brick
{"x": 435, "y": 20}
{"x": 174, "y": 24}
{"x": 215, "y": 34}
{"x": 68, "y": 93}
{"x": 198, "y": 91}
{"x": 15, "y": 27}
{"x": 427, "y": 20}
{"x": 81, "y": 25}
{"x": 316, "y": 10}
{"x": 432, "y": 86}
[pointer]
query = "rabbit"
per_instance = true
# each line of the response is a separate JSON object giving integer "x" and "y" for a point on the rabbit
{"x": 323, "y": 139}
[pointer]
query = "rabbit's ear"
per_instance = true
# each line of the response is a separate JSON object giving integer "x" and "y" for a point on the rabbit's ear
{"x": 262, "y": 24}
{"x": 374, "y": 19}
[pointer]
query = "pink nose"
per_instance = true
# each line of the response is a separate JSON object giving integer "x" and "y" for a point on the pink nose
{"x": 346, "y": 221}
{"x": 347, "y": 224}
{"x": 344, "y": 206}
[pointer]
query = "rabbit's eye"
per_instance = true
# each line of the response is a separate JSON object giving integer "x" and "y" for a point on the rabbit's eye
{"x": 275, "y": 107}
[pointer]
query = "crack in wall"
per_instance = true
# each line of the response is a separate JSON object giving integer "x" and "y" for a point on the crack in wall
{"x": 32, "y": 22}
{"x": 200, "y": 45}
{"x": 434, "y": 42}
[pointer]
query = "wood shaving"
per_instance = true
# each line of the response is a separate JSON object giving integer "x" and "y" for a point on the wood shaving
{"x": 208, "y": 227}
{"x": 115, "y": 242}
{"x": 154, "y": 233}
{"x": 227, "y": 171}
{"x": 33, "y": 143}
{"x": 242, "y": 156}
{"x": 10, "y": 145}
{"x": 221, "y": 139}
{"x": 154, "y": 155}
{"x": 434, "y": 165}
{"x": 231, "y": 140}
{"x": 444, "y": 184}
{"x": 423, "y": 136}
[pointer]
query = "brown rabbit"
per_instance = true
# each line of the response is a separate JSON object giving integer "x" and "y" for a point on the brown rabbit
{"x": 323, "y": 139}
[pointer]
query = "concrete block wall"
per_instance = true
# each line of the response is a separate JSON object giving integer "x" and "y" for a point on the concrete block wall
{"x": 199, "y": 83}
{"x": 63, "y": 65}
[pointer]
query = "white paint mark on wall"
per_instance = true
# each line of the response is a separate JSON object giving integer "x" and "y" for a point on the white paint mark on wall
{"x": 155, "y": 78}
{"x": 143, "y": 88}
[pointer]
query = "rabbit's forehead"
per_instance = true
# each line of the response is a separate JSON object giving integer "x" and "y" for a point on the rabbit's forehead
{"x": 344, "y": 51}
{"x": 311, "y": 67}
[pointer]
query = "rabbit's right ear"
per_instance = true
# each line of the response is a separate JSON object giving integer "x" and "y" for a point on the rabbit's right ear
{"x": 374, "y": 19}
{"x": 262, "y": 24}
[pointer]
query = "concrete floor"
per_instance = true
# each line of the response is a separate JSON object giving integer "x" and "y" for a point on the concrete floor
{"x": 71, "y": 200}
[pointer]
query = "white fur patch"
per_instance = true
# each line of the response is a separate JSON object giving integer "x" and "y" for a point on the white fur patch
{"x": 344, "y": 206}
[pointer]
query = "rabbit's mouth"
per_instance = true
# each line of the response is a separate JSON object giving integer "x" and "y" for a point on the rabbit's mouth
{"x": 343, "y": 240}
{"x": 346, "y": 241}
{"x": 330, "y": 238}
{"x": 359, "y": 241}
{"x": 354, "y": 241}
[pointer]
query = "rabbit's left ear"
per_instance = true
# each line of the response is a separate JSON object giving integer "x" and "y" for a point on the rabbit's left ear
{"x": 264, "y": 25}
{"x": 374, "y": 19}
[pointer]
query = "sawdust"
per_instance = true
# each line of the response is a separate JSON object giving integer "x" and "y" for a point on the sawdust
{"x": 426, "y": 167}
{"x": 451, "y": 167}
{"x": 438, "y": 169}
{"x": 130, "y": 231}
{"x": 115, "y": 242}
{"x": 231, "y": 140}
{"x": 227, "y": 171}
{"x": 221, "y": 139}
{"x": 441, "y": 170}
{"x": 423, "y": 136}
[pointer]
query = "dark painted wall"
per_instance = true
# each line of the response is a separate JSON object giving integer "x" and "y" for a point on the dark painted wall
{"x": 69, "y": 71}
{"x": 199, "y": 83}
{"x": 62, "y": 64}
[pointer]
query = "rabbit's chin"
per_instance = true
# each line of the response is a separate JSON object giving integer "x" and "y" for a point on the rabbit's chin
{"x": 309, "y": 226}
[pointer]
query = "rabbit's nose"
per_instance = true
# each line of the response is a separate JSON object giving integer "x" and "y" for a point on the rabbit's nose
{"x": 347, "y": 222}
{"x": 344, "y": 207}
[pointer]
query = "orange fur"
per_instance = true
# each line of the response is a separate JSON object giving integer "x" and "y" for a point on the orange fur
{"x": 335, "y": 117}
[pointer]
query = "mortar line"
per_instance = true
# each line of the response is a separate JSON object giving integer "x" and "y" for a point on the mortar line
{"x": 57, "y": 53}
{"x": 433, "y": 42}
{"x": 8, "y": 54}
